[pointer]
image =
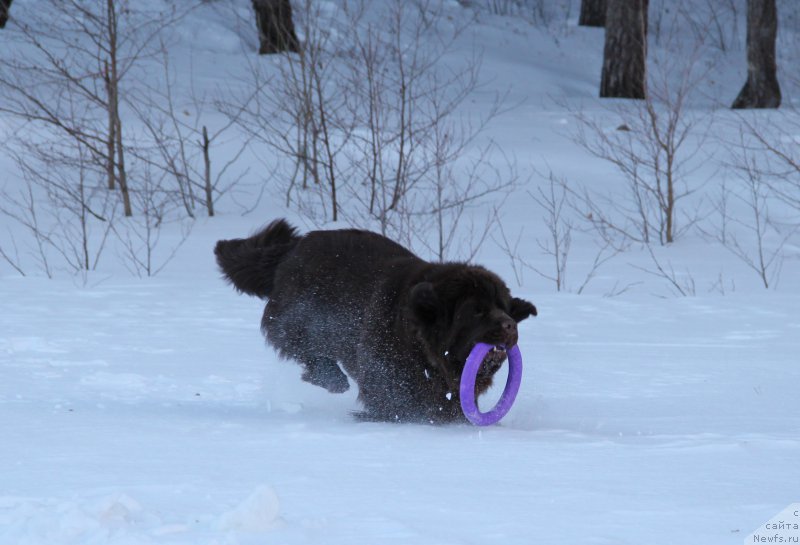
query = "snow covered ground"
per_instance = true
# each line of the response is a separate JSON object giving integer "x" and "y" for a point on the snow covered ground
{"x": 139, "y": 411}
{"x": 150, "y": 412}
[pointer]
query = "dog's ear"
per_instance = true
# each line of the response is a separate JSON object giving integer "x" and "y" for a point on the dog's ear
{"x": 521, "y": 309}
{"x": 424, "y": 302}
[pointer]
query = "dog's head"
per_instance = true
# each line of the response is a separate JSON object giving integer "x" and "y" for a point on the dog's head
{"x": 459, "y": 307}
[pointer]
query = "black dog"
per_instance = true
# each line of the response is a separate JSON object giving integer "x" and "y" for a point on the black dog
{"x": 401, "y": 327}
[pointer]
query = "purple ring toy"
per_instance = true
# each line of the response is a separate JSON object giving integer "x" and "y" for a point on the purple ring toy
{"x": 470, "y": 374}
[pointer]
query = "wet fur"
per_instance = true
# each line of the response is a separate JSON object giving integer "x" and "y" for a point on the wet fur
{"x": 401, "y": 327}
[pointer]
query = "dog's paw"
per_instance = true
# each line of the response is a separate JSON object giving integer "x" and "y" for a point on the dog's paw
{"x": 329, "y": 377}
{"x": 338, "y": 386}
{"x": 372, "y": 416}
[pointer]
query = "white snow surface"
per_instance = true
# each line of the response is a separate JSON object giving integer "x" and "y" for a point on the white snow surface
{"x": 149, "y": 411}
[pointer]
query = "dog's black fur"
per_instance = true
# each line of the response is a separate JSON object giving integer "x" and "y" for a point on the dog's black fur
{"x": 401, "y": 327}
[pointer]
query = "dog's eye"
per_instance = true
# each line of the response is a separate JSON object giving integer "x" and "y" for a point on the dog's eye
{"x": 480, "y": 311}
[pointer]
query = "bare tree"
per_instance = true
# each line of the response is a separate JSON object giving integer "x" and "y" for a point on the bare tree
{"x": 757, "y": 237}
{"x": 552, "y": 202}
{"x": 779, "y": 158}
{"x": 537, "y": 12}
{"x": 413, "y": 142}
{"x": 179, "y": 144}
{"x": 53, "y": 62}
{"x": 366, "y": 125}
{"x": 451, "y": 199}
{"x": 655, "y": 146}
{"x": 14, "y": 260}
{"x": 730, "y": 12}
{"x": 140, "y": 237}
{"x": 712, "y": 22}
{"x": 71, "y": 66}
{"x": 761, "y": 90}
{"x": 766, "y": 262}
{"x": 593, "y": 13}
{"x": 298, "y": 115}
{"x": 275, "y": 26}
{"x": 22, "y": 208}
{"x": 66, "y": 70}
{"x": 63, "y": 207}
{"x": 625, "y": 51}
{"x": 557, "y": 214}
{"x": 5, "y": 6}
{"x": 680, "y": 284}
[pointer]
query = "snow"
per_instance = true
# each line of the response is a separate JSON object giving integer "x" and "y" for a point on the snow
{"x": 149, "y": 411}
{"x": 657, "y": 421}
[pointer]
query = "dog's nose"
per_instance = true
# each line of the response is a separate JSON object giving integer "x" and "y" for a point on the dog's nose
{"x": 510, "y": 335}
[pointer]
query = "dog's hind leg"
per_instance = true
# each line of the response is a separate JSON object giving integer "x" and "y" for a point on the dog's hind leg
{"x": 288, "y": 331}
{"x": 326, "y": 373}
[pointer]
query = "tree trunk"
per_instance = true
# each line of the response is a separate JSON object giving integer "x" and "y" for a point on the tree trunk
{"x": 5, "y": 5}
{"x": 206, "y": 144}
{"x": 275, "y": 27}
{"x": 625, "y": 50}
{"x": 593, "y": 13}
{"x": 123, "y": 176}
{"x": 761, "y": 90}
{"x": 111, "y": 137}
{"x": 113, "y": 97}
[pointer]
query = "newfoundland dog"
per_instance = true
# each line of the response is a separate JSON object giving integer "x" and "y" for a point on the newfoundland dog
{"x": 401, "y": 327}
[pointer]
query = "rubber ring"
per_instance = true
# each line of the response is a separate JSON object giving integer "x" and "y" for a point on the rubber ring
{"x": 470, "y": 375}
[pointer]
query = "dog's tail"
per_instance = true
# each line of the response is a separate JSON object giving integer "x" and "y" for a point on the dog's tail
{"x": 250, "y": 263}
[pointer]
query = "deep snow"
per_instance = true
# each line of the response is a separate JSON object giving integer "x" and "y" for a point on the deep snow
{"x": 138, "y": 411}
{"x": 150, "y": 412}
